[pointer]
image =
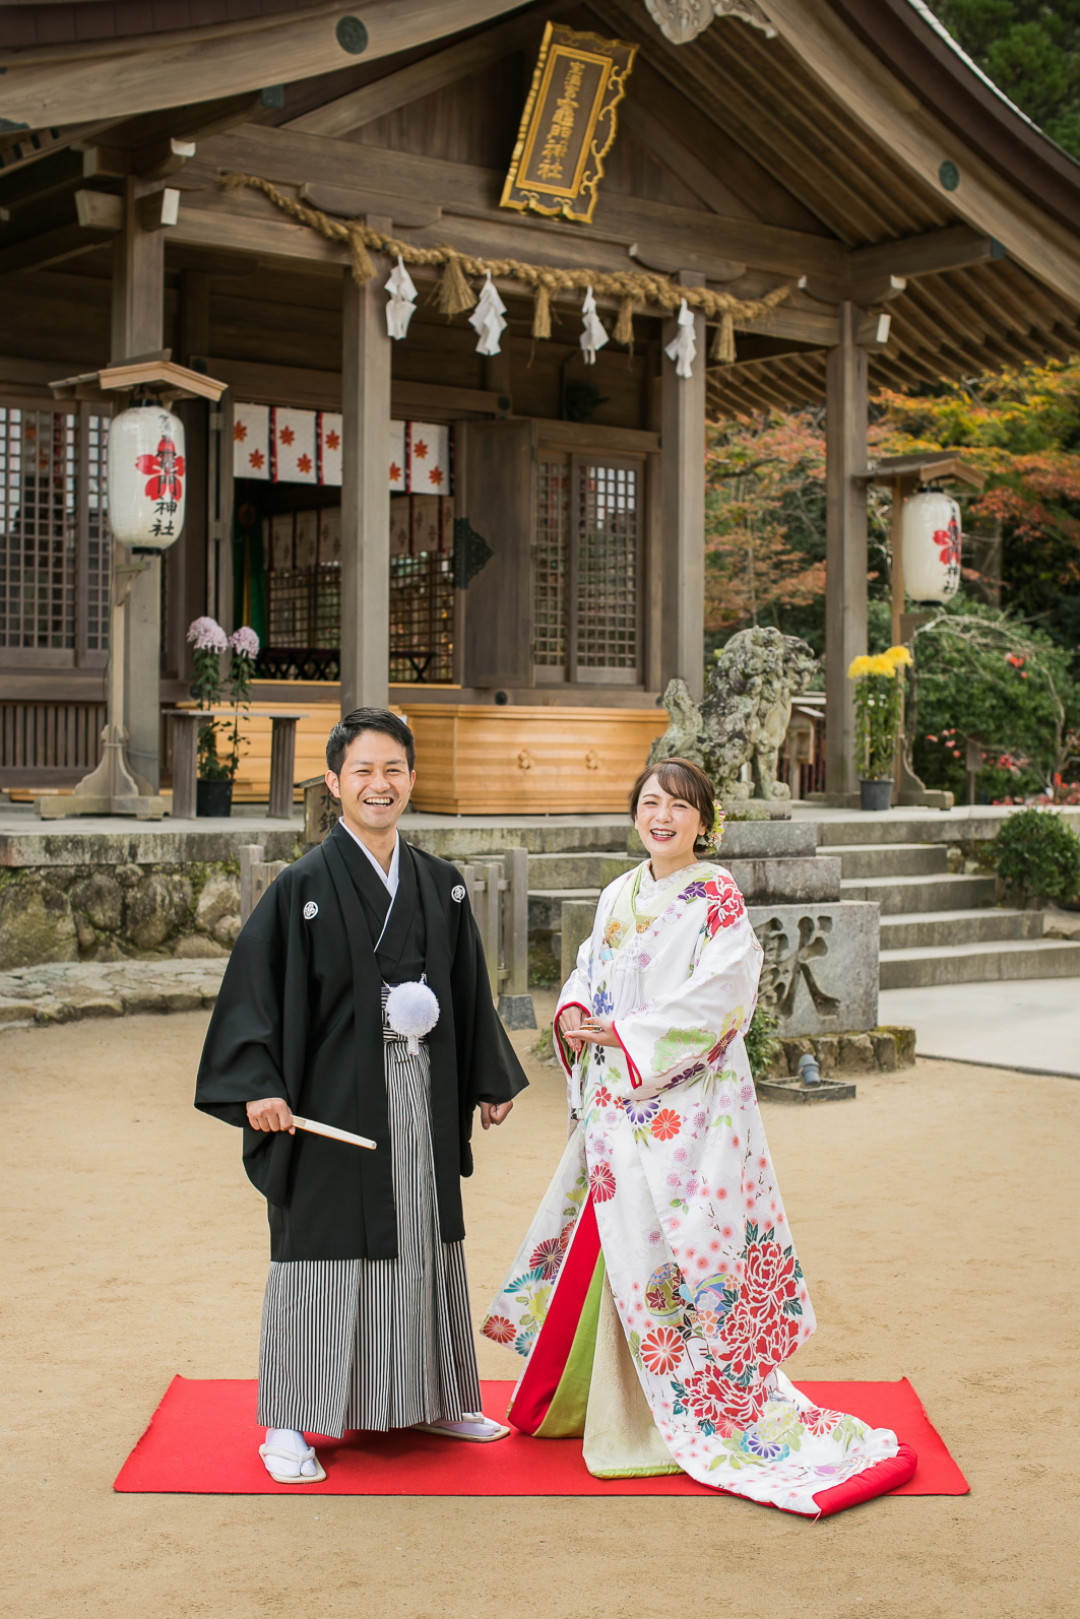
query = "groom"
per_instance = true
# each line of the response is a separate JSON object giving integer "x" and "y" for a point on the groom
{"x": 366, "y": 1318}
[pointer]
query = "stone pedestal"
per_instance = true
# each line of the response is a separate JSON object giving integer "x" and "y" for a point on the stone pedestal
{"x": 820, "y": 973}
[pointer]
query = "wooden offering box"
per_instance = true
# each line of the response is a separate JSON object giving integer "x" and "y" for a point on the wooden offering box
{"x": 482, "y": 759}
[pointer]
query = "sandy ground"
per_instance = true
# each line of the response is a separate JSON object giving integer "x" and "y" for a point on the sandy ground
{"x": 936, "y": 1220}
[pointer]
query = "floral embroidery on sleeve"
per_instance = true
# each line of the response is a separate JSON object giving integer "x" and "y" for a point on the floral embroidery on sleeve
{"x": 724, "y": 905}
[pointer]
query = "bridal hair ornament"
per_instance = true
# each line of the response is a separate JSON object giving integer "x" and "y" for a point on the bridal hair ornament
{"x": 712, "y": 839}
{"x": 412, "y": 1011}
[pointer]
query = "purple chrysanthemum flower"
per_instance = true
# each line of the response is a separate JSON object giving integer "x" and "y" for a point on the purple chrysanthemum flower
{"x": 207, "y": 635}
{"x": 244, "y": 642}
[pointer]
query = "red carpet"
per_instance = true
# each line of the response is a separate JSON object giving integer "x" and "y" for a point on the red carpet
{"x": 202, "y": 1441}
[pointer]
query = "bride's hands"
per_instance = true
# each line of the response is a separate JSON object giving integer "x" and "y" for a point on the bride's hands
{"x": 569, "y": 1023}
{"x": 597, "y": 1031}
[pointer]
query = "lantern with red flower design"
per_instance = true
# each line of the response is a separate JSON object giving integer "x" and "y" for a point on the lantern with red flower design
{"x": 931, "y": 541}
{"x": 147, "y": 477}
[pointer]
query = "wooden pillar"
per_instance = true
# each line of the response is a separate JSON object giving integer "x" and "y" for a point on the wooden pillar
{"x": 185, "y": 562}
{"x": 138, "y": 313}
{"x": 897, "y": 593}
{"x": 365, "y": 494}
{"x": 682, "y": 512}
{"x": 845, "y": 546}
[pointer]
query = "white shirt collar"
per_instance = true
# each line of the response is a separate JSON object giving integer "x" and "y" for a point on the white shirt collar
{"x": 389, "y": 878}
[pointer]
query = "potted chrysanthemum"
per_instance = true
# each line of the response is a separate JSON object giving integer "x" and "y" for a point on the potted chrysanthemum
{"x": 212, "y": 688}
{"x": 879, "y": 714}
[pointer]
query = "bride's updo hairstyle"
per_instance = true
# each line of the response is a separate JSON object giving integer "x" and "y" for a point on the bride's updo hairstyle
{"x": 682, "y": 779}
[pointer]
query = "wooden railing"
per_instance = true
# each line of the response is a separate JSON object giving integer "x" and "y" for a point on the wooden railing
{"x": 49, "y": 744}
{"x": 498, "y": 892}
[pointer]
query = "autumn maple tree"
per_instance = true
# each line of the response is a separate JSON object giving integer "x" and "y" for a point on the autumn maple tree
{"x": 765, "y": 523}
{"x": 1022, "y": 429}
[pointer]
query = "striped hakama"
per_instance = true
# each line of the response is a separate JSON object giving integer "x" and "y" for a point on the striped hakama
{"x": 376, "y": 1344}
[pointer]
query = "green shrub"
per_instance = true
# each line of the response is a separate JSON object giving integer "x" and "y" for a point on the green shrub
{"x": 762, "y": 1045}
{"x": 983, "y": 673}
{"x": 1038, "y": 854}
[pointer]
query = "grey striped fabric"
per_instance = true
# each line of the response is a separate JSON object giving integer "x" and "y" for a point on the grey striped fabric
{"x": 376, "y": 1344}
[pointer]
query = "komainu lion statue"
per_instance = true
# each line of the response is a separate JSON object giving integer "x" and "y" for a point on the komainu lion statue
{"x": 744, "y": 715}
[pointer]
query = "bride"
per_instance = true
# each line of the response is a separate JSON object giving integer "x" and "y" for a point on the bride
{"x": 658, "y": 1291}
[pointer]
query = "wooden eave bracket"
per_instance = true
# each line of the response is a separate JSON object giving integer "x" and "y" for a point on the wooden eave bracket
{"x": 153, "y": 162}
{"x": 866, "y": 294}
{"x": 158, "y": 209}
{"x": 158, "y": 371}
{"x": 922, "y": 469}
{"x": 104, "y": 210}
{"x": 876, "y": 275}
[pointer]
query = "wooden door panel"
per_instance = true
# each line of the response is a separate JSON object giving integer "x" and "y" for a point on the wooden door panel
{"x": 497, "y": 475}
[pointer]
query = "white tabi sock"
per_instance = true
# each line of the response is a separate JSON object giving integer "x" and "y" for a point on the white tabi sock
{"x": 291, "y": 1440}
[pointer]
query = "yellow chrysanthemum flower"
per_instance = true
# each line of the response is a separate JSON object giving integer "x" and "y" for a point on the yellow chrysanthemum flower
{"x": 859, "y": 667}
{"x": 899, "y": 655}
{"x": 882, "y": 664}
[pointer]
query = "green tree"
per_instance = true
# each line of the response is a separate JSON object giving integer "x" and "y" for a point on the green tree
{"x": 1031, "y": 50}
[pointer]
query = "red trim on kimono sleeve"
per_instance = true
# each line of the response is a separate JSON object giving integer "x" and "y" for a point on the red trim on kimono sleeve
{"x": 631, "y": 1066}
{"x": 558, "y": 1037}
{"x": 877, "y": 1480}
{"x": 547, "y": 1362}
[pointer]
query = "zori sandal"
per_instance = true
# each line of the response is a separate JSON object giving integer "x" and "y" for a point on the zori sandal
{"x": 271, "y": 1455}
{"x": 473, "y": 1425}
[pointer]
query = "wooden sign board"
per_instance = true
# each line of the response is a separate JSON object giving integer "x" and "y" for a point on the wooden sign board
{"x": 568, "y": 124}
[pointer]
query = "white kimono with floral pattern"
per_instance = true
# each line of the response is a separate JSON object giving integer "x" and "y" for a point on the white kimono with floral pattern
{"x": 671, "y": 1154}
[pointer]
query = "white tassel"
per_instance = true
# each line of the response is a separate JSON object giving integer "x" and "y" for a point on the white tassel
{"x": 401, "y": 306}
{"x": 683, "y": 348}
{"x": 593, "y": 335}
{"x": 488, "y": 319}
{"x": 412, "y": 1010}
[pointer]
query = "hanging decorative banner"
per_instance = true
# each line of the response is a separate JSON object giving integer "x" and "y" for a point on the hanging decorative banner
{"x": 931, "y": 546}
{"x": 281, "y": 542}
{"x": 683, "y": 346}
{"x": 399, "y": 463}
{"x": 329, "y": 535}
{"x": 307, "y": 539}
{"x": 328, "y": 440}
{"x": 278, "y": 444}
{"x": 429, "y": 459}
{"x": 433, "y": 525}
{"x": 251, "y": 442}
{"x": 488, "y": 319}
{"x": 401, "y": 306}
{"x": 147, "y": 477}
{"x": 292, "y": 444}
{"x": 421, "y": 524}
{"x": 593, "y": 335}
{"x": 568, "y": 125}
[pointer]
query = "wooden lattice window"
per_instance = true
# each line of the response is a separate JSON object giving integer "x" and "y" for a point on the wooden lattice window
{"x": 54, "y": 536}
{"x": 550, "y": 559}
{"x": 422, "y": 619}
{"x": 587, "y": 570}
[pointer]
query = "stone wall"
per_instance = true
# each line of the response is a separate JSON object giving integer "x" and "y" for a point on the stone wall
{"x": 68, "y": 896}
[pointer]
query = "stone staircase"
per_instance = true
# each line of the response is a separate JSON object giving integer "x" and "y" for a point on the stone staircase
{"x": 939, "y": 920}
{"x": 939, "y": 925}
{"x": 557, "y": 874}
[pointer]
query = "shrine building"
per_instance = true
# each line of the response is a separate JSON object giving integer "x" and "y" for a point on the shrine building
{"x": 474, "y": 276}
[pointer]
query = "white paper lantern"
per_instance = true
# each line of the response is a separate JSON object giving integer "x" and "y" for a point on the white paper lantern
{"x": 931, "y": 544}
{"x": 147, "y": 477}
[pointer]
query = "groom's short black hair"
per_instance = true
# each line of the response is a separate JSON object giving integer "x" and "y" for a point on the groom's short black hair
{"x": 367, "y": 719}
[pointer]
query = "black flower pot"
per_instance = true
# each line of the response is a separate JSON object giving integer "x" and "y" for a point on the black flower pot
{"x": 213, "y": 797}
{"x": 873, "y": 795}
